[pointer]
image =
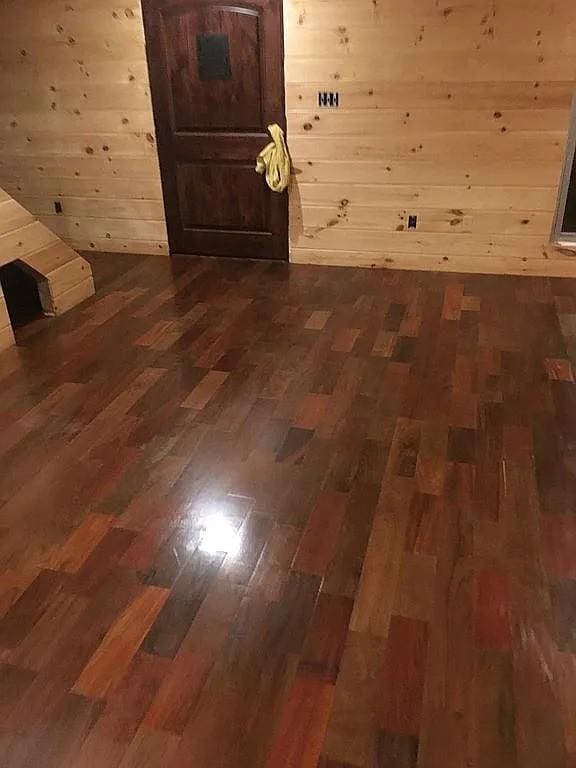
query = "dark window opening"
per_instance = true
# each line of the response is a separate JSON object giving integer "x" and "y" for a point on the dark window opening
{"x": 569, "y": 220}
{"x": 21, "y": 293}
{"x": 564, "y": 231}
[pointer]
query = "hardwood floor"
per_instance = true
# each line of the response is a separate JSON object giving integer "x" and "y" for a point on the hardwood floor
{"x": 255, "y": 515}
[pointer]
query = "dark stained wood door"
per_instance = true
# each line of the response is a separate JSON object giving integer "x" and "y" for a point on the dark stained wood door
{"x": 217, "y": 79}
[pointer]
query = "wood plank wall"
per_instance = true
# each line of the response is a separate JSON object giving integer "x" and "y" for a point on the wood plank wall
{"x": 76, "y": 122}
{"x": 454, "y": 111}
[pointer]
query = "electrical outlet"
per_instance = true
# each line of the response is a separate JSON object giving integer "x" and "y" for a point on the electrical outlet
{"x": 57, "y": 206}
{"x": 412, "y": 221}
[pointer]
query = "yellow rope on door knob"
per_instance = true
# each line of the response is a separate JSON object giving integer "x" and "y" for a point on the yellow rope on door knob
{"x": 274, "y": 161}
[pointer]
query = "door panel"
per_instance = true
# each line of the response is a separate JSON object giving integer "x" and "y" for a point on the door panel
{"x": 247, "y": 213}
{"x": 205, "y": 102}
{"x": 216, "y": 72}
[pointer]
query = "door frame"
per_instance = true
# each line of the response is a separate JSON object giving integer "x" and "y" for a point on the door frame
{"x": 166, "y": 176}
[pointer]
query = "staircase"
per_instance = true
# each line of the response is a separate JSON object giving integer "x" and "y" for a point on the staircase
{"x": 64, "y": 278}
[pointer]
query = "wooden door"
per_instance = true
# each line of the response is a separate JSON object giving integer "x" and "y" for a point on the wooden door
{"x": 217, "y": 80}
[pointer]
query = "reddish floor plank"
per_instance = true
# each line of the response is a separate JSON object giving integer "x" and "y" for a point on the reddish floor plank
{"x": 179, "y": 692}
{"x": 317, "y": 320}
{"x": 74, "y": 552}
{"x": 318, "y": 542}
{"x": 150, "y": 749}
{"x": 298, "y": 740}
{"x": 491, "y": 610}
{"x": 205, "y": 390}
{"x": 559, "y": 545}
{"x": 29, "y": 608}
{"x": 125, "y": 709}
{"x": 311, "y": 411}
{"x": 108, "y": 665}
{"x": 327, "y": 635}
{"x": 400, "y": 700}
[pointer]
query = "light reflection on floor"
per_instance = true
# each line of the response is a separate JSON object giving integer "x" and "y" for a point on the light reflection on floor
{"x": 219, "y": 534}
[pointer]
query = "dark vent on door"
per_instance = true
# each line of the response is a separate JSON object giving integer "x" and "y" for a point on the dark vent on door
{"x": 213, "y": 56}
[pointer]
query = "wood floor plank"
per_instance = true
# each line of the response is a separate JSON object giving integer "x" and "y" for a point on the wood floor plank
{"x": 491, "y": 614}
{"x": 123, "y": 713}
{"x": 300, "y": 733}
{"x": 318, "y": 542}
{"x": 397, "y": 750}
{"x": 13, "y": 684}
{"x": 74, "y": 552}
{"x": 352, "y": 732}
{"x": 205, "y": 391}
{"x": 179, "y": 692}
{"x": 327, "y": 635}
{"x": 377, "y": 589}
{"x": 559, "y": 545}
{"x": 403, "y": 676}
{"x": 317, "y": 320}
{"x": 493, "y": 745}
{"x": 311, "y": 411}
{"x": 110, "y": 661}
{"x": 29, "y": 608}
{"x": 415, "y": 590}
{"x": 150, "y": 748}
{"x": 181, "y": 604}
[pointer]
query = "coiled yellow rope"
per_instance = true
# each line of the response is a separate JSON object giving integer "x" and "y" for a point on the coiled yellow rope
{"x": 274, "y": 161}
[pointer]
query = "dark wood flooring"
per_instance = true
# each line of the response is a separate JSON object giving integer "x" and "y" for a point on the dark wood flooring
{"x": 261, "y": 516}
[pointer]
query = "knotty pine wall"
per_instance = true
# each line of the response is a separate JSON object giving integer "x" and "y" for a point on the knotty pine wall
{"x": 454, "y": 111}
{"x": 76, "y": 122}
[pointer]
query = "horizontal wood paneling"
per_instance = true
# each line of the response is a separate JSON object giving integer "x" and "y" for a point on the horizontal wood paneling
{"x": 98, "y": 208}
{"x": 456, "y": 113}
{"x": 115, "y": 145}
{"x": 114, "y": 245}
{"x": 101, "y": 167}
{"x": 405, "y": 66}
{"x": 90, "y": 120}
{"x": 335, "y": 238}
{"x": 76, "y": 122}
{"x": 394, "y": 195}
{"x": 441, "y": 171}
{"x": 353, "y": 122}
{"x": 541, "y": 146}
{"x": 114, "y": 188}
{"x": 376, "y": 93}
{"x": 325, "y": 12}
{"x": 453, "y": 220}
{"x": 564, "y": 265}
{"x": 66, "y": 226}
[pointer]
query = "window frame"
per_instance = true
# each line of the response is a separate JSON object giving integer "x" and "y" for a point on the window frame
{"x": 558, "y": 237}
